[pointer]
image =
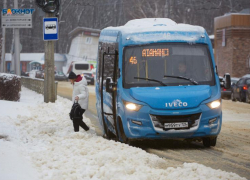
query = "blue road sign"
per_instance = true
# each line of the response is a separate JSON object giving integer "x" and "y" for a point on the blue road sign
{"x": 50, "y": 29}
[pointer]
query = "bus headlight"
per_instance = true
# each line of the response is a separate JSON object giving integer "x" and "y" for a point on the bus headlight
{"x": 214, "y": 104}
{"x": 132, "y": 106}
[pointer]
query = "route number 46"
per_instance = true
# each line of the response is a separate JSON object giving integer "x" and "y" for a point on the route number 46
{"x": 133, "y": 60}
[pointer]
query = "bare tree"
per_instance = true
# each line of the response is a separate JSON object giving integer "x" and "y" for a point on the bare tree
{"x": 103, "y": 13}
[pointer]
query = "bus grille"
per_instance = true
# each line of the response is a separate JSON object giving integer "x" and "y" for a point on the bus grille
{"x": 160, "y": 120}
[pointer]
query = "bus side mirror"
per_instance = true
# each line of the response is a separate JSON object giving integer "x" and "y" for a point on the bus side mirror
{"x": 221, "y": 81}
{"x": 227, "y": 79}
{"x": 110, "y": 85}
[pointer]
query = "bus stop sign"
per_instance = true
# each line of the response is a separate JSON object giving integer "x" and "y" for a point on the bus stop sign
{"x": 50, "y": 29}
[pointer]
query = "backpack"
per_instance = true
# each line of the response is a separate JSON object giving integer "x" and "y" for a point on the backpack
{"x": 75, "y": 112}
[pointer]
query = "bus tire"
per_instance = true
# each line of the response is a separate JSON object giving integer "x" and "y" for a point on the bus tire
{"x": 209, "y": 141}
{"x": 121, "y": 133}
{"x": 108, "y": 134}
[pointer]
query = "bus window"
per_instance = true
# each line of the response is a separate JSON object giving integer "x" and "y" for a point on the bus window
{"x": 108, "y": 66}
{"x": 81, "y": 66}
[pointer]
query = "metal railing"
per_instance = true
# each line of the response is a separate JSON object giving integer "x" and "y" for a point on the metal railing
{"x": 36, "y": 85}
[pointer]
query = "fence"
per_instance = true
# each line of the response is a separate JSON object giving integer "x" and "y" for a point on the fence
{"x": 36, "y": 85}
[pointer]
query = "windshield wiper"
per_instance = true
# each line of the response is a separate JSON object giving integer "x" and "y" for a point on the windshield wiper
{"x": 181, "y": 77}
{"x": 151, "y": 80}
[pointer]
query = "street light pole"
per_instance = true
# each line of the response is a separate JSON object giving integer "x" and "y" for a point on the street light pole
{"x": 49, "y": 69}
{"x": 50, "y": 7}
{"x": 57, "y": 42}
{"x": 2, "y": 68}
{"x": 17, "y": 45}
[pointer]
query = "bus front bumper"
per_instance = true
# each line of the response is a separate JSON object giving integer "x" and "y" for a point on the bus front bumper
{"x": 143, "y": 124}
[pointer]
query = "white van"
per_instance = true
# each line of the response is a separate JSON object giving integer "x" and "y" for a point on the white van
{"x": 79, "y": 67}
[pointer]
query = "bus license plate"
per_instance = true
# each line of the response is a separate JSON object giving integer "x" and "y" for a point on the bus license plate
{"x": 176, "y": 125}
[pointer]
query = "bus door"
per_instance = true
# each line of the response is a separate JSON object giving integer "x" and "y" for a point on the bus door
{"x": 108, "y": 90}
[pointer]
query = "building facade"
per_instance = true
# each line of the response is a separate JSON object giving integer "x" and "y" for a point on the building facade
{"x": 34, "y": 61}
{"x": 84, "y": 46}
{"x": 232, "y": 44}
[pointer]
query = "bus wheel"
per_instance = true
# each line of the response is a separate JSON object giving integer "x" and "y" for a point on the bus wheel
{"x": 121, "y": 133}
{"x": 108, "y": 134}
{"x": 209, "y": 141}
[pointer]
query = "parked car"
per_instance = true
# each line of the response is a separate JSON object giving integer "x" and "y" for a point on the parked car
{"x": 234, "y": 81}
{"x": 89, "y": 77}
{"x": 81, "y": 67}
{"x": 248, "y": 95}
{"x": 247, "y": 75}
{"x": 32, "y": 73}
{"x": 60, "y": 76}
{"x": 12, "y": 72}
{"x": 24, "y": 74}
{"x": 43, "y": 74}
{"x": 241, "y": 90}
{"x": 39, "y": 74}
{"x": 226, "y": 93}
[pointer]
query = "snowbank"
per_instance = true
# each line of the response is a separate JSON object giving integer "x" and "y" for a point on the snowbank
{"x": 8, "y": 77}
{"x": 43, "y": 135}
{"x": 14, "y": 165}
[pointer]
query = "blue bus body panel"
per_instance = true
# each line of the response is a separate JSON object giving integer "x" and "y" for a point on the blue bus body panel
{"x": 147, "y": 130}
{"x": 190, "y": 96}
{"x": 154, "y": 99}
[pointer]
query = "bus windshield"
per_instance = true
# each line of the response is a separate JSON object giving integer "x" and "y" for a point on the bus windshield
{"x": 173, "y": 64}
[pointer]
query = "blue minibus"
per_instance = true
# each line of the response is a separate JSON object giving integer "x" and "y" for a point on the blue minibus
{"x": 157, "y": 79}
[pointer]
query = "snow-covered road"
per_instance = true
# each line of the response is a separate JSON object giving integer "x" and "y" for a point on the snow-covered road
{"x": 37, "y": 142}
{"x": 231, "y": 153}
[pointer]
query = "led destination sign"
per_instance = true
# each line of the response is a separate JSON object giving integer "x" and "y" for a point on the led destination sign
{"x": 151, "y": 53}
{"x": 155, "y": 52}
{"x": 133, "y": 60}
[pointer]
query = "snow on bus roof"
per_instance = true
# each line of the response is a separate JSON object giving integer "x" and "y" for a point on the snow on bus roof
{"x": 146, "y": 22}
{"x": 155, "y": 24}
{"x": 139, "y": 30}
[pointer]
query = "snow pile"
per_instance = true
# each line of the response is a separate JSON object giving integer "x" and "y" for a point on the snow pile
{"x": 45, "y": 134}
{"x": 13, "y": 165}
{"x": 8, "y": 77}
